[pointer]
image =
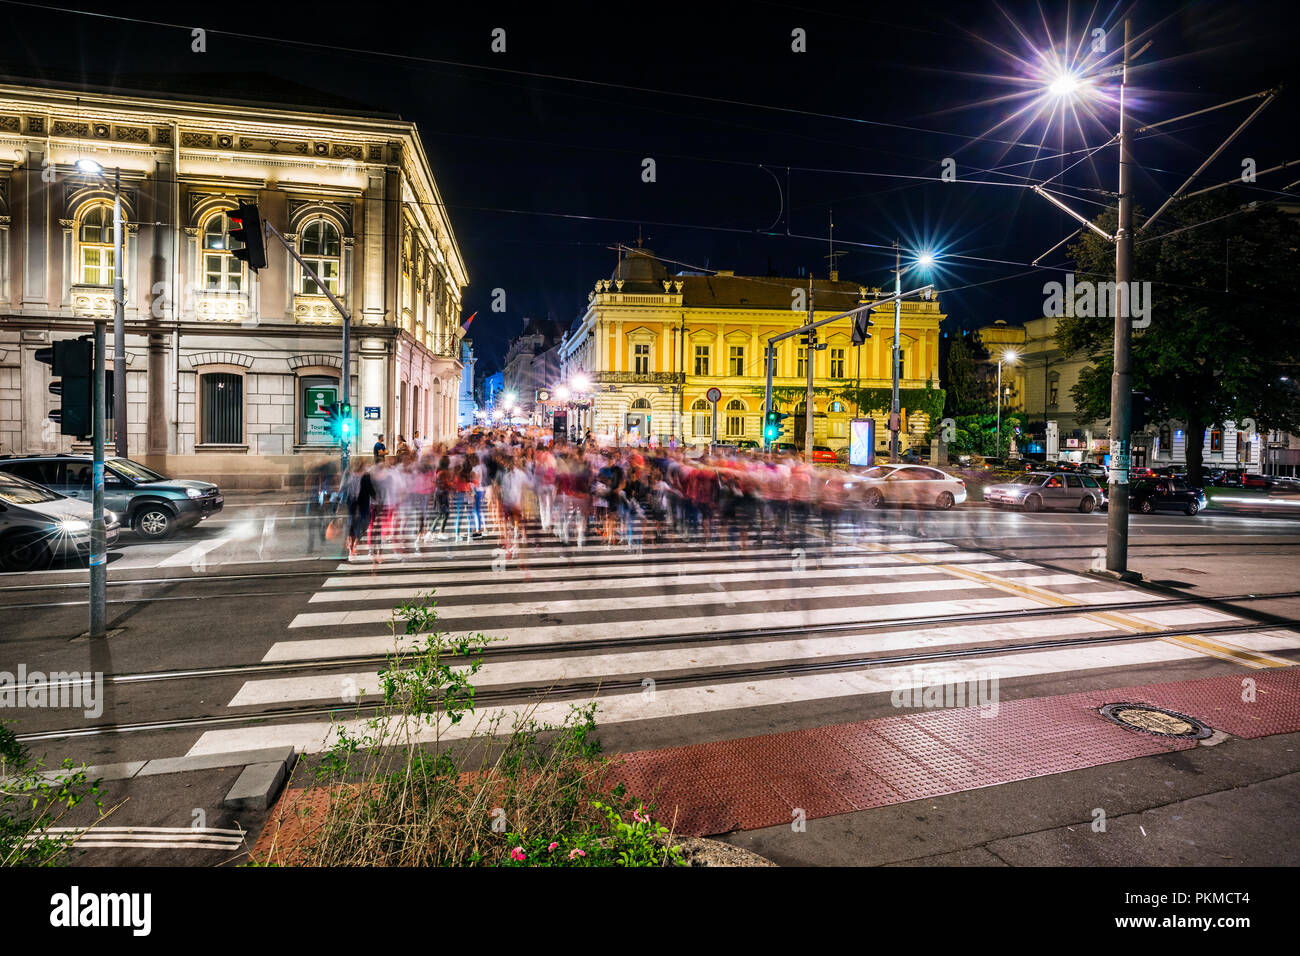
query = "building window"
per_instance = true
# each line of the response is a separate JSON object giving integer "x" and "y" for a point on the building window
{"x": 641, "y": 359}
{"x": 802, "y": 370}
{"x": 735, "y": 418}
{"x": 738, "y": 360}
{"x": 1216, "y": 440}
{"x": 321, "y": 247}
{"x": 1052, "y": 392}
{"x": 703, "y": 419}
{"x": 837, "y": 363}
{"x": 701, "y": 360}
{"x": 95, "y": 246}
{"x": 222, "y": 272}
{"x": 1166, "y": 440}
{"x": 222, "y": 398}
{"x": 641, "y": 404}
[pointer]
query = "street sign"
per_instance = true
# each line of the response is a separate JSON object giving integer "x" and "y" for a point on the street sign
{"x": 714, "y": 395}
{"x": 372, "y": 413}
{"x": 318, "y": 402}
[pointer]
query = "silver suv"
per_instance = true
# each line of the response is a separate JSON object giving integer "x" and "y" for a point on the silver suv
{"x": 37, "y": 525}
{"x": 1040, "y": 489}
{"x": 152, "y": 505}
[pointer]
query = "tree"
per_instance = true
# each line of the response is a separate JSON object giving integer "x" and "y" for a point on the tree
{"x": 1208, "y": 355}
{"x": 967, "y": 394}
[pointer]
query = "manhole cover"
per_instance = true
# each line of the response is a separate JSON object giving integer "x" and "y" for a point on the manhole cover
{"x": 1155, "y": 720}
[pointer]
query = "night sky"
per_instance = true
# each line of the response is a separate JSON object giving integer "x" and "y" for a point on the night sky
{"x": 543, "y": 175}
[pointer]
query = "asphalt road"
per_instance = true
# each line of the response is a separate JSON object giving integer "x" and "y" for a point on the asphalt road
{"x": 231, "y": 636}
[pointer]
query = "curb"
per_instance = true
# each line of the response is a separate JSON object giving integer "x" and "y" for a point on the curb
{"x": 264, "y": 772}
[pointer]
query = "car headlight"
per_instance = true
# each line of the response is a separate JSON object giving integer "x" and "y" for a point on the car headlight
{"x": 194, "y": 492}
{"x": 73, "y": 525}
{"x": 110, "y": 517}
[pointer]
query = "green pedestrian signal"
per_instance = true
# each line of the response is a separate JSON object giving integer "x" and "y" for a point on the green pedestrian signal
{"x": 345, "y": 422}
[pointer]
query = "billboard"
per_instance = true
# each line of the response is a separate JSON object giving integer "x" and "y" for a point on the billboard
{"x": 862, "y": 441}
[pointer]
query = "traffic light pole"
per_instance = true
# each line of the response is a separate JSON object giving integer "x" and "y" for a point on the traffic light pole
{"x": 346, "y": 376}
{"x": 98, "y": 548}
{"x": 895, "y": 411}
{"x": 770, "y": 353}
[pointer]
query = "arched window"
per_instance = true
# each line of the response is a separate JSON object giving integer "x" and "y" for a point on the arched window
{"x": 320, "y": 246}
{"x": 95, "y": 253}
{"x": 702, "y": 419}
{"x": 735, "y": 418}
{"x": 222, "y": 272}
{"x": 641, "y": 403}
{"x": 837, "y": 407}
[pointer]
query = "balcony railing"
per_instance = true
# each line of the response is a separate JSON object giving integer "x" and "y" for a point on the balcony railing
{"x": 638, "y": 378}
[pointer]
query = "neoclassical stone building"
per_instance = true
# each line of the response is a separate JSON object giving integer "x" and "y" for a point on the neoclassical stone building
{"x": 653, "y": 343}
{"x": 225, "y": 368}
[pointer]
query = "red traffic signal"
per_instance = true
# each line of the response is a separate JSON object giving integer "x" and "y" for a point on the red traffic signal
{"x": 245, "y": 228}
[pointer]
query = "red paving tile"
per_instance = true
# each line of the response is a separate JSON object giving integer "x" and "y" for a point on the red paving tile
{"x": 759, "y": 781}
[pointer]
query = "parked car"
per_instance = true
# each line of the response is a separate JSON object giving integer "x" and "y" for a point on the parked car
{"x": 747, "y": 444}
{"x": 1096, "y": 471}
{"x": 1165, "y": 494}
{"x": 1254, "y": 481}
{"x": 38, "y": 525}
{"x": 1041, "y": 490}
{"x": 152, "y": 505}
{"x": 823, "y": 455}
{"x": 785, "y": 448}
{"x": 907, "y": 484}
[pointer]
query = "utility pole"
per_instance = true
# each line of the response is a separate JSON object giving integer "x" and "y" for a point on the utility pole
{"x": 98, "y": 546}
{"x": 1121, "y": 383}
{"x": 997, "y": 428}
{"x": 770, "y": 354}
{"x": 346, "y": 376}
{"x": 894, "y": 411}
{"x": 119, "y": 325}
{"x": 810, "y": 354}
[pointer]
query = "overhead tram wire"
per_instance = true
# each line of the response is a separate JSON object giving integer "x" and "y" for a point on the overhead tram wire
{"x": 411, "y": 58}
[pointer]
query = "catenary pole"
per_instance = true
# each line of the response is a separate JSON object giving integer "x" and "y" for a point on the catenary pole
{"x": 1121, "y": 383}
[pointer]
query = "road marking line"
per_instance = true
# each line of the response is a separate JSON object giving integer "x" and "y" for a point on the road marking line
{"x": 696, "y": 699}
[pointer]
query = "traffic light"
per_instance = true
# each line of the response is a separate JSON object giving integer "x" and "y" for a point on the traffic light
{"x": 1138, "y": 412}
{"x": 246, "y": 228}
{"x": 333, "y": 419}
{"x": 772, "y": 427}
{"x": 345, "y": 423}
{"x": 73, "y": 360}
{"x": 861, "y": 325}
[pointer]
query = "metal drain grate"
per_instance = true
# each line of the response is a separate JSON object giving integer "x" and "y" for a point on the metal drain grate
{"x": 1156, "y": 721}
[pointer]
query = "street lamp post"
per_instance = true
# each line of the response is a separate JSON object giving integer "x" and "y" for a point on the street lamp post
{"x": 119, "y": 327}
{"x": 895, "y": 410}
{"x": 120, "y": 447}
{"x": 1009, "y": 357}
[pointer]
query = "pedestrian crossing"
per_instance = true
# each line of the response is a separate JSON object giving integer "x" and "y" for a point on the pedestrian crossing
{"x": 710, "y": 627}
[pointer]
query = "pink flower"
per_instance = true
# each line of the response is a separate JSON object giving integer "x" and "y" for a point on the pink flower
{"x": 638, "y": 818}
{"x": 517, "y": 854}
{"x": 575, "y": 852}
{"x": 551, "y": 848}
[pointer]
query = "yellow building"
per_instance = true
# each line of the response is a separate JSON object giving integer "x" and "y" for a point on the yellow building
{"x": 653, "y": 344}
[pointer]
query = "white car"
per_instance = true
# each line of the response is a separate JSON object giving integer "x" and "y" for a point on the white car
{"x": 37, "y": 525}
{"x": 909, "y": 484}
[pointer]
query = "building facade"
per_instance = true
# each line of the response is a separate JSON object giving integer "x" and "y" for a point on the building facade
{"x": 653, "y": 344}
{"x": 226, "y": 369}
{"x": 532, "y": 362}
{"x": 1039, "y": 381}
